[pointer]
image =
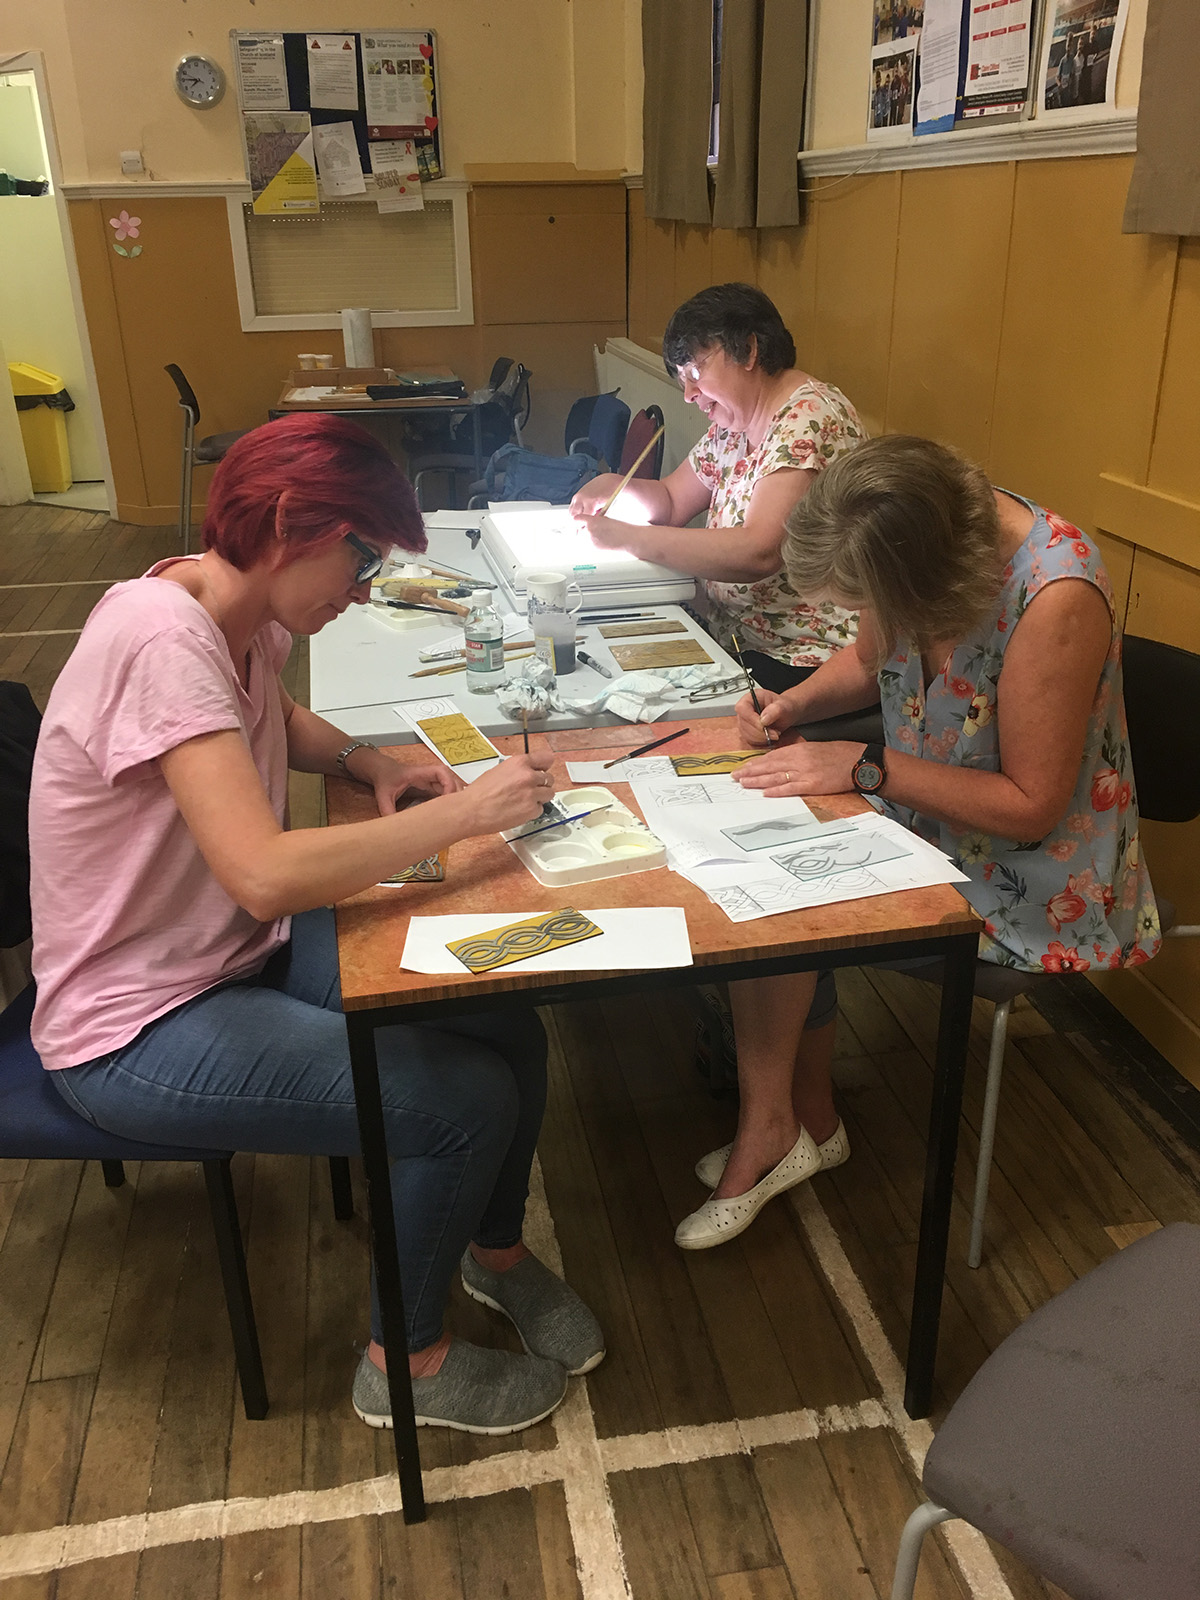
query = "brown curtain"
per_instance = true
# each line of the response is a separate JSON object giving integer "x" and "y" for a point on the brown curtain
{"x": 763, "y": 49}
{"x": 676, "y": 109}
{"x": 1164, "y": 194}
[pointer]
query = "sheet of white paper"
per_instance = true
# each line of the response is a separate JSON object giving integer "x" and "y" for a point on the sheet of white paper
{"x": 633, "y": 937}
{"x": 763, "y": 888}
{"x": 938, "y": 58}
{"x": 313, "y": 393}
{"x": 338, "y": 165}
{"x": 451, "y": 519}
{"x": 396, "y": 78}
{"x": 262, "y": 75}
{"x": 397, "y": 176}
{"x": 332, "y": 71}
{"x": 414, "y": 712}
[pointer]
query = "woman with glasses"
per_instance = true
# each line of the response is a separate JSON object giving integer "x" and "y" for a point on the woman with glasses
{"x": 183, "y": 944}
{"x": 772, "y": 430}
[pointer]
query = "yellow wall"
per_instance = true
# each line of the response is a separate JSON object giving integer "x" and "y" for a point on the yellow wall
{"x": 542, "y": 80}
{"x": 1001, "y": 309}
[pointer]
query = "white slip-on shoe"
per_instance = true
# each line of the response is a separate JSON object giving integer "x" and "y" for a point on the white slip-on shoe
{"x": 834, "y": 1151}
{"x": 719, "y": 1220}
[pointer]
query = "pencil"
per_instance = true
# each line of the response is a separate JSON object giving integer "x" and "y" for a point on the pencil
{"x": 772, "y": 736}
{"x": 642, "y": 748}
{"x": 525, "y": 728}
{"x": 604, "y": 510}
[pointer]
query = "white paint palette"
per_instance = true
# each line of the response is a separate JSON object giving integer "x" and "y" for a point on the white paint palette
{"x": 610, "y": 841}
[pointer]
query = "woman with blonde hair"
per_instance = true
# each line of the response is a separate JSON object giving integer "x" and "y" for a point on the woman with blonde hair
{"x": 989, "y": 631}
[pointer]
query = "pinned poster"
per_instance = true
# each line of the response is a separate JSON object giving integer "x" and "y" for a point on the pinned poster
{"x": 895, "y": 36}
{"x": 338, "y": 164}
{"x": 999, "y": 52}
{"x": 283, "y": 172}
{"x": 261, "y": 72}
{"x": 938, "y": 66}
{"x": 397, "y": 81}
{"x": 332, "y": 71}
{"x": 1081, "y": 45}
{"x": 397, "y": 176}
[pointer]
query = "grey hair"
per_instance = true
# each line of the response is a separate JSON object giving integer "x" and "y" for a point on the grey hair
{"x": 905, "y": 528}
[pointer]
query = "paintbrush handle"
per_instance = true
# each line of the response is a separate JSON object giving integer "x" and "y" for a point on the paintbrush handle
{"x": 604, "y": 510}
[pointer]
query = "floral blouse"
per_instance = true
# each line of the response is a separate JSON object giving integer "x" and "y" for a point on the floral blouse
{"x": 1079, "y": 898}
{"x": 814, "y": 426}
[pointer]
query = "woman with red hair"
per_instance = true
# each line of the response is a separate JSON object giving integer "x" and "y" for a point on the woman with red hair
{"x": 183, "y": 943}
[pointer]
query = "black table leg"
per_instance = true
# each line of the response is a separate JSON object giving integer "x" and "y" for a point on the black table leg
{"x": 954, "y": 1022}
{"x": 364, "y": 1066}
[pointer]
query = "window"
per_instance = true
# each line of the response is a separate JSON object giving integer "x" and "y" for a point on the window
{"x": 410, "y": 267}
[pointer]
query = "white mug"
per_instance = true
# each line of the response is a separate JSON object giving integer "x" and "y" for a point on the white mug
{"x": 547, "y": 591}
{"x": 307, "y": 362}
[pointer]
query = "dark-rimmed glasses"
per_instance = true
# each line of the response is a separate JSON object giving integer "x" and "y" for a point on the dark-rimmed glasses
{"x": 371, "y": 564}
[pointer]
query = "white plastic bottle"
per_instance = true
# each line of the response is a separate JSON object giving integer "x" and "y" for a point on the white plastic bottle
{"x": 484, "y": 643}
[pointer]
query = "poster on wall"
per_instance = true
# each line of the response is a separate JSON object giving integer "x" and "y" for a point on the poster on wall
{"x": 279, "y": 153}
{"x": 338, "y": 165}
{"x": 397, "y": 176}
{"x": 1081, "y": 46}
{"x": 999, "y": 56}
{"x": 938, "y": 58}
{"x": 261, "y": 72}
{"x": 332, "y": 71}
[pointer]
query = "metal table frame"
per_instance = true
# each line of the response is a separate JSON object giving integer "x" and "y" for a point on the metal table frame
{"x": 959, "y": 953}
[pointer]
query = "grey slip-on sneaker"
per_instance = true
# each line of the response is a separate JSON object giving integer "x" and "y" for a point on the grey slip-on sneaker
{"x": 550, "y": 1317}
{"x": 476, "y": 1390}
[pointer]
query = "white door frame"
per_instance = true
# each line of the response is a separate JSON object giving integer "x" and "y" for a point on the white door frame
{"x": 33, "y": 61}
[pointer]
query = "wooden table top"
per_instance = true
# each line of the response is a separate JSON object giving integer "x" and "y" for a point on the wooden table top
{"x": 484, "y": 875}
{"x": 356, "y": 398}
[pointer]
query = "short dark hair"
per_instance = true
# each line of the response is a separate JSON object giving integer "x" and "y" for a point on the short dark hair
{"x": 731, "y": 315}
{"x": 315, "y": 477}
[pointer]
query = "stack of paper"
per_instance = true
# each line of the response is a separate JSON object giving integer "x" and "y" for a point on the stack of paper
{"x": 756, "y": 857}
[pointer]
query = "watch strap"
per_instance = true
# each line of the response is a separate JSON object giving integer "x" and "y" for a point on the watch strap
{"x": 347, "y": 751}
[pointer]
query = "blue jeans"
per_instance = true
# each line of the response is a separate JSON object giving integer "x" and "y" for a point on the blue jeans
{"x": 263, "y": 1064}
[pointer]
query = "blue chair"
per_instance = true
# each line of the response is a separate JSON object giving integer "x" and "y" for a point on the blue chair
{"x": 36, "y": 1124}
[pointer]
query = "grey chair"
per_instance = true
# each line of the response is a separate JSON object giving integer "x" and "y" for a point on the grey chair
{"x": 196, "y": 452}
{"x": 1165, "y": 748}
{"x": 1077, "y": 1443}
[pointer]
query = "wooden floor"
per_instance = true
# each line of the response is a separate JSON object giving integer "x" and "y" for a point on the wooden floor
{"x": 743, "y": 1440}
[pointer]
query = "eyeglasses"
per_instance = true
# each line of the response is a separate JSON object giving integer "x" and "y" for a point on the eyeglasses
{"x": 372, "y": 563}
{"x": 691, "y": 370}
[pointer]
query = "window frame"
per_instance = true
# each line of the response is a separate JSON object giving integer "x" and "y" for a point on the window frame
{"x": 462, "y": 313}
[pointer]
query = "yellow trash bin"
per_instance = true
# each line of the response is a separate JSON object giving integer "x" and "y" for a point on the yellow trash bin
{"x": 42, "y": 404}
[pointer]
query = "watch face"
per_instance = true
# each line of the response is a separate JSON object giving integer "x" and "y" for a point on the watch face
{"x": 868, "y": 776}
{"x": 199, "y": 82}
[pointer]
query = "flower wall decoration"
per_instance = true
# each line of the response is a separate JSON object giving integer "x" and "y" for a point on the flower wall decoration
{"x": 125, "y": 227}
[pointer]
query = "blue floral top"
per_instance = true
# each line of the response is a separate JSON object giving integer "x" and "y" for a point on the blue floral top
{"x": 1080, "y": 897}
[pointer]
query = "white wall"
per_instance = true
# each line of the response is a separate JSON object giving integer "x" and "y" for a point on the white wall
{"x": 37, "y": 314}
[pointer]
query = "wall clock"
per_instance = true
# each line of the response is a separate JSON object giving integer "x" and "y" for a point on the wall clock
{"x": 199, "y": 82}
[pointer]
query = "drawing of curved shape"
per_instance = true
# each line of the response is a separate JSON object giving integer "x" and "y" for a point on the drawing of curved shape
{"x": 500, "y": 947}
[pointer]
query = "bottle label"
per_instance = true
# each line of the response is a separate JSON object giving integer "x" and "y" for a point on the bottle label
{"x": 485, "y": 655}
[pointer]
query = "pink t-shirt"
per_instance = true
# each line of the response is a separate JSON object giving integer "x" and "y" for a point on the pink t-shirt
{"x": 128, "y": 921}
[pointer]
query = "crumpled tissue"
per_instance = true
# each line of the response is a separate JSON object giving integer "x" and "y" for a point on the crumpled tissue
{"x": 646, "y": 696}
{"x": 531, "y": 689}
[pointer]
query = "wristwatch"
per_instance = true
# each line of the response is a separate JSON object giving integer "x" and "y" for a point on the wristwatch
{"x": 869, "y": 772}
{"x": 344, "y": 755}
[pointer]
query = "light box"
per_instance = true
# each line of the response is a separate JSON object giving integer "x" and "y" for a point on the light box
{"x": 548, "y": 539}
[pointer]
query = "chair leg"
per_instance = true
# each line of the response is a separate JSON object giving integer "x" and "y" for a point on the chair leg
{"x": 223, "y": 1205}
{"x": 339, "y": 1183}
{"x": 987, "y": 1130}
{"x": 185, "y": 484}
{"x": 114, "y": 1173}
{"x": 909, "y": 1554}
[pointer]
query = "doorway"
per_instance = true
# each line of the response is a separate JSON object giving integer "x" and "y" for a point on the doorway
{"x": 41, "y": 311}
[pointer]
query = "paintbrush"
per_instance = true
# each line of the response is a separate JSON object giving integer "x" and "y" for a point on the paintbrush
{"x": 643, "y": 748}
{"x": 525, "y": 728}
{"x": 457, "y": 666}
{"x": 576, "y": 816}
{"x": 657, "y": 435}
{"x": 772, "y": 736}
